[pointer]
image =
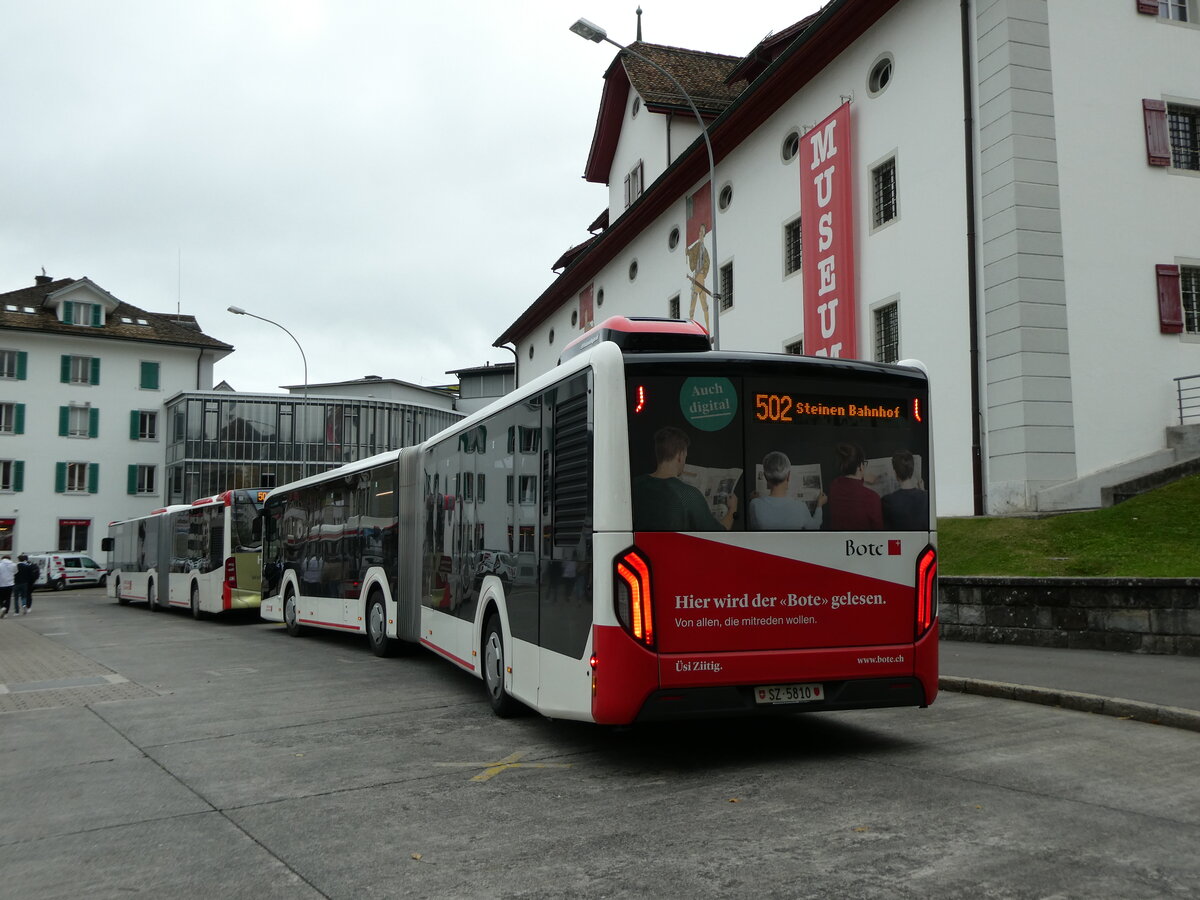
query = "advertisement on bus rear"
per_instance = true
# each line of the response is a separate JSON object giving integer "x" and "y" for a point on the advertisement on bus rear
{"x": 779, "y": 511}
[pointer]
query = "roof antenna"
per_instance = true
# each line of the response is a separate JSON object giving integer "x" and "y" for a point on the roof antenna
{"x": 639, "y": 30}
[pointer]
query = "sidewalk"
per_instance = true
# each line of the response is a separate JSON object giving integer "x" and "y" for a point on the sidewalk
{"x": 1149, "y": 688}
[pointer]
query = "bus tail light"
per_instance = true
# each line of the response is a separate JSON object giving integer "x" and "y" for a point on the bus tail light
{"x": 230, "y": 572}
{"x": 633, "y": 601}
{"x": 926, "y": 590}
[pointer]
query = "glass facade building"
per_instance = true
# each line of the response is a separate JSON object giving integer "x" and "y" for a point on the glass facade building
{"x": 222, "y": 440}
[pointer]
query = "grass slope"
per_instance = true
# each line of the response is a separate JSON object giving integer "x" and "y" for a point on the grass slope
{"x": 1154, "y": 535}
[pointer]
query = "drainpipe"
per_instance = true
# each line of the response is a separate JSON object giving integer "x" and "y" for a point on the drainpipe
{"x": 968, "y": 76}
{"x": 516, "y": 363}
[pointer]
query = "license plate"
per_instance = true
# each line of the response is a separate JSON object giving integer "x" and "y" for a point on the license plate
{"x": 788, "y": 693}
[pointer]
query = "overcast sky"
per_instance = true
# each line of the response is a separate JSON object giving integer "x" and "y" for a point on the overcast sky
{"x": 389, "y": 180}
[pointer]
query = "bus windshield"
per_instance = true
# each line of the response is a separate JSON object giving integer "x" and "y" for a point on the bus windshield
{"x": 245, "y": 521}
{"x": 781, "y": 450}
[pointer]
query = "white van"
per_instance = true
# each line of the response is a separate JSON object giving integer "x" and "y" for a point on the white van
{"x": 63, "y": 570}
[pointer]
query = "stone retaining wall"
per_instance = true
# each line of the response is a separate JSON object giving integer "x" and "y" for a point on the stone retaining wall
{"x": 1139, "y": 615}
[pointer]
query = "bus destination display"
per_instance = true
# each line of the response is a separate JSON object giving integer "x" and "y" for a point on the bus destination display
{"x": 772, "y": 407}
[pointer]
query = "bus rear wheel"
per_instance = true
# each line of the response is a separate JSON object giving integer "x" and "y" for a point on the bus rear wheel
{"x": 291, "y": 616}
{"x": 196, "y": 611}
{"x": 503, "y": 704}
{"x": 381, "y": 644}
{"x": 151, "y": 598}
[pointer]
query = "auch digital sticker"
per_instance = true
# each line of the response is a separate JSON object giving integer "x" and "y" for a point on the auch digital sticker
{"x": 708, "y": 403}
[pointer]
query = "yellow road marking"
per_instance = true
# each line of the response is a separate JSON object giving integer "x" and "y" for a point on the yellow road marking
{"x": 492, "y": 769}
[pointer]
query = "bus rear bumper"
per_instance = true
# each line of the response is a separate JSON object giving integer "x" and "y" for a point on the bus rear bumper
{"x": 244, "y": 599}
{"x": 739, "y": 700}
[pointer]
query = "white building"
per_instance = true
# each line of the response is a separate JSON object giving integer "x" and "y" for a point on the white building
{"x": 1023, "y": 216}
{"x": 83, "y": 377}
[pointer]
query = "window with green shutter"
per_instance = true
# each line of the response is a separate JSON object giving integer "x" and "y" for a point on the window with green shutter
{"x": 79, "y": 370}
{"x": 12, "y": 475}
{"x": 149, "y": 379}
{"x": 93, "y": 422}
{"x": 131, "y": 479}
{"x": 93, "y": 482}
{"x": 9, "y": 417}
{"x": 13, "y": 365}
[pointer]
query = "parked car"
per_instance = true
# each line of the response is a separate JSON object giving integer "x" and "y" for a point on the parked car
{"x": 62, "y": 570}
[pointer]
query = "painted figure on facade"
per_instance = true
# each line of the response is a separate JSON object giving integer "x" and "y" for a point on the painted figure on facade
{"x": 698, "y": 263}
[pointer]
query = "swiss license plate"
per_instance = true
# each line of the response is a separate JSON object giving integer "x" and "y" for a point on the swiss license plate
{"x": 788, "y": 693}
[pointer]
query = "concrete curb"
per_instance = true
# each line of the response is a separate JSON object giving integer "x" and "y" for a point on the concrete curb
{"x": 1152, "y": 713}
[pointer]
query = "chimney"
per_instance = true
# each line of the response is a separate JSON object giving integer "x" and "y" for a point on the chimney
{"x": 43, "y": 278}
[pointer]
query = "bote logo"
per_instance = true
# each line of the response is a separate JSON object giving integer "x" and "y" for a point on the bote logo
{"x": 853, "y": 549}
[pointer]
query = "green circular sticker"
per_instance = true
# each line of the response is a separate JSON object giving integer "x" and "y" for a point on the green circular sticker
{"x": 708, "y": 403}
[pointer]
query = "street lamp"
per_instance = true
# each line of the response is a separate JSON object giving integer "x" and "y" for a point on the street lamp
{"x": 594, "y": 32}
{"x": 238, "y": 311}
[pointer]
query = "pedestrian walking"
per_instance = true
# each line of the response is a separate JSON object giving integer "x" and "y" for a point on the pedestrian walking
{"x": 23, "y": 582}
{"x": 8, "y": 573}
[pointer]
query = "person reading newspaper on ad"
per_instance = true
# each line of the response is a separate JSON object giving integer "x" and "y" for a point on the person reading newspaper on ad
{"x": 662, "y": 502}
{"x": 780, "y": 509}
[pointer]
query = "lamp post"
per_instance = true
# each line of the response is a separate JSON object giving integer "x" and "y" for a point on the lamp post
{"x": 238, "y": 311}
{"x": 594, "y": 32}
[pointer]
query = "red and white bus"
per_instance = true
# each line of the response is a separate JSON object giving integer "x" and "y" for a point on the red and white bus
{"x": 204, "y": 556}
{"x": 651, "y": 530}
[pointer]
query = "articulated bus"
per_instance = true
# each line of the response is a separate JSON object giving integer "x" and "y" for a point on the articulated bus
{"x": 652, "y": 530}
{"x": 204, "y": 556}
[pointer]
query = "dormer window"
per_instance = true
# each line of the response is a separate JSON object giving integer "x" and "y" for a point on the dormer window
{"x": 87, "y": 314}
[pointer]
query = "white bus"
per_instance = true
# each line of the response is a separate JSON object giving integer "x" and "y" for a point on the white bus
{"x": 651, "y": 530}
{"x": 203, "y": 556}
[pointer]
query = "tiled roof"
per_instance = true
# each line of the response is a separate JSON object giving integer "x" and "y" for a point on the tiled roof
{"x": 702, "y": 75}
{"x": 160, "y": 328}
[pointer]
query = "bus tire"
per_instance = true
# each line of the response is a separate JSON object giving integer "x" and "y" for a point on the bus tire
{"x": 291, "y": 616}
{"x": 503, "y": 705}
{"x": 196, "y": 612}
{"x": 381, "y": 644}
{"x": 151, "y": 597}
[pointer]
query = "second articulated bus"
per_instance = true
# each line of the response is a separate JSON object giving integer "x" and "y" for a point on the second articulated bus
{"x": 203, "y": 556}
{"x": 651, "y": 530}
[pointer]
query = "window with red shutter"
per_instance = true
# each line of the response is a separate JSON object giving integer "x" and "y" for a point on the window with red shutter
{"x": 1158, "y": 138}
{"x": 1148, "y": 7}
{"x": 1170, "y": 305}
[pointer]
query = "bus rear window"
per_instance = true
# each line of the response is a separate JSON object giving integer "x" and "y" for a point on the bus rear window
{"x": 783, "y": 451}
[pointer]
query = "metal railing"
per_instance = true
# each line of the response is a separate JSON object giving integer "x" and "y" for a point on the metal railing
{"x": 1187, "y": 391}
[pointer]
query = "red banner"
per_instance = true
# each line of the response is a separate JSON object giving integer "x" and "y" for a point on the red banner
{"x": 827, "y": 225}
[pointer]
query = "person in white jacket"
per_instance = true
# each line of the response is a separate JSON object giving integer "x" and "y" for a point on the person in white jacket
{"x": 8, "y": 572}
